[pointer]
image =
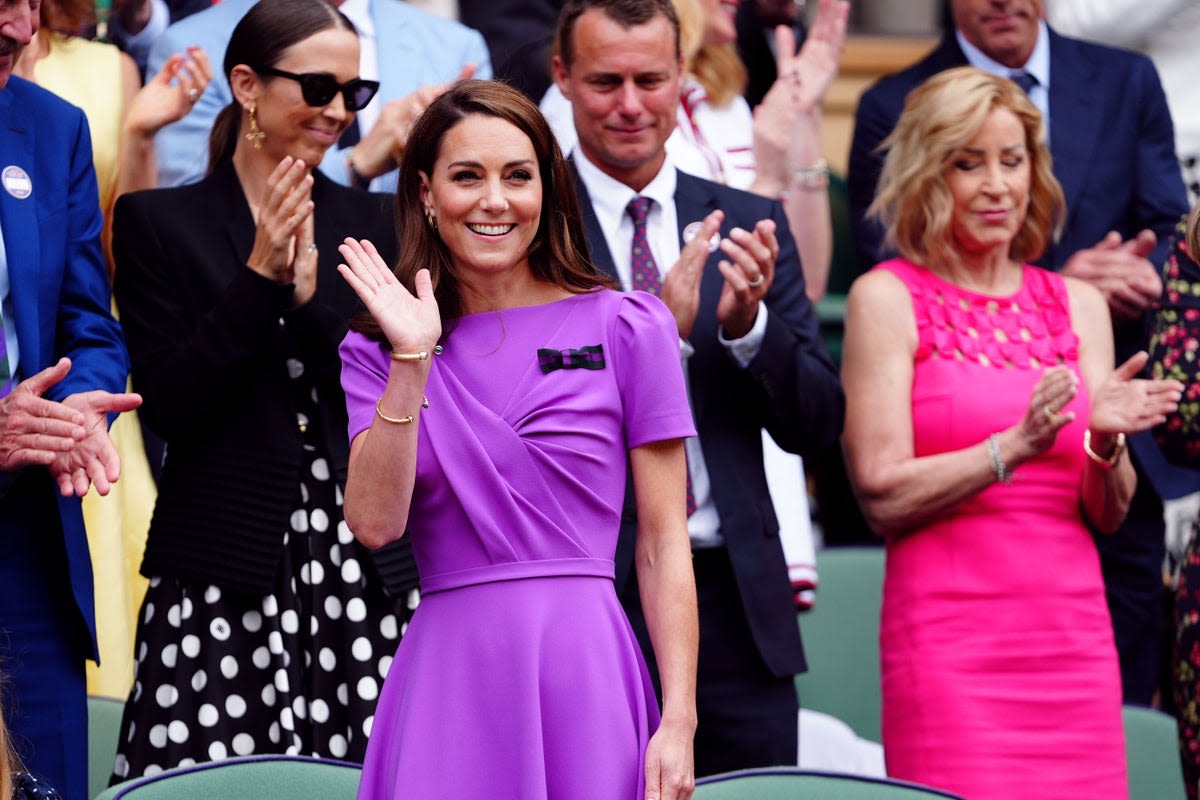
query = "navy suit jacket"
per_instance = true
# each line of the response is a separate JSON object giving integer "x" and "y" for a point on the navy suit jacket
{"x": 1111, "y": 138}
{"x": 58, "y": 281}
{"x": 790, "y": 388}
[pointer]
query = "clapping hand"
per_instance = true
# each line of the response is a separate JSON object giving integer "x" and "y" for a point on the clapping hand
{"x": 411, "y": 322}
{"x": 283, "y": 249}
{"x": 1044, "y": 418}
{"x": 1126, "y": 404}
{"x": 170, "y": 94}
{"x": 1121, "y": 271}
{"x": 748, "y": 273}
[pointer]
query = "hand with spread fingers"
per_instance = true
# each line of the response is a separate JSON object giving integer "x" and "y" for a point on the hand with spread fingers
{"x": 277, "y": 250}
{"x": 34, "y": 430}
{"x": 93, "y": 461}
{"x": 1124, "y": 403}
{"x": 748, "y": 274}
{"x": 681, "y": 286}
{"x": 1121, "y": 271}
{"x": 411, "y": 322}
{"x": 169, "y": 95}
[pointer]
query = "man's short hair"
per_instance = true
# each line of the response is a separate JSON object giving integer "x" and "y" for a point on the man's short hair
{"x": 626, "y": 13}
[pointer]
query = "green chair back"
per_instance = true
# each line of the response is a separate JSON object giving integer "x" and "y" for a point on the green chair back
{"x": 104, "y": 726}
{"x": 841, "y": 639}
{"x": 786, "y": 783}
{"x": 1152, "y": 750}
{"x": 259, "y": 777}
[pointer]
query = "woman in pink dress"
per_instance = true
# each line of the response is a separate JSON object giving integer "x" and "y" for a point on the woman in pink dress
{"x": 985, "y": 435}
{"x": 495, "y": 401}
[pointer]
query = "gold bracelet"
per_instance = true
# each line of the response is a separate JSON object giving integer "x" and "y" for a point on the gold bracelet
{"x": 1111, "y": 461}
{"x": 423, "y": 355}
{"x": 394, "y": 420}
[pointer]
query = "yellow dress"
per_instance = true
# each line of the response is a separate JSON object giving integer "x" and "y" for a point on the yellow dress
{"x": 88, "y": 74}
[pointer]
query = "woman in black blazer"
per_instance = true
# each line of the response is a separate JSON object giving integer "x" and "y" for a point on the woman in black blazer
{"x": 266, "y": 627}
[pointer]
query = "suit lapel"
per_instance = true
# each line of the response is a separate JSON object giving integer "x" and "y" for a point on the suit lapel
{"x": 1074, "y": 126}
{"x": 598, "y": 243}
{"x": 18, "y": 219}
{"x": 226, "y": 193}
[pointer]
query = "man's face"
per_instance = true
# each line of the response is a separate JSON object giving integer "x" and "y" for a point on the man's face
{"x": 624, "y": 91}
{"x": 18, "y": 24}
{"x": 1005, "y": 30}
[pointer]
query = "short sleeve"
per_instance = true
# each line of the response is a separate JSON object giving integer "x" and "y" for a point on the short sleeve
{"x": 649, "y": 373}
{"x": 364, "y": 376}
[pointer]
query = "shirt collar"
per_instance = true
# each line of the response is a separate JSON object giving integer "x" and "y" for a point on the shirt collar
{"x": 610, "y": 197}
{"x": 1038, "y": 64}
{"x": 359, "y": 13}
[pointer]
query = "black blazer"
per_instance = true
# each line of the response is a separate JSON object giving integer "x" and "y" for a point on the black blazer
{"x": 790, "y": 388}
{"x": 209, "y": 339}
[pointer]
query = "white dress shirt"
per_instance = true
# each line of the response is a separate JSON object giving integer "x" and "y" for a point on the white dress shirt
{"x": 1038, "y": 66}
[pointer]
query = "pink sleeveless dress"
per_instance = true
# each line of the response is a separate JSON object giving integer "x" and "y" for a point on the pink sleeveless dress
{"x": 999, "y": 671}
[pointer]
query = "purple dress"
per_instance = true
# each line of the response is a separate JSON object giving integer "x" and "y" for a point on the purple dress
{"x": 519, "y": 675}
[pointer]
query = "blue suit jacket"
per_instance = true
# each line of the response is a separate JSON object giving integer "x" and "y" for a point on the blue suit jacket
{"x": 1110, "y": 135}
{"x": 414, "y": 48}
{"x": 790, "y": 388}
{"x": 58, "y": 279}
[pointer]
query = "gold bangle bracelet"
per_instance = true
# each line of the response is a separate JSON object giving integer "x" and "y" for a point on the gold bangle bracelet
{"x": 394, "y": 420}
{"x": 423, "y": 355}
{"x": 1111, "y": 461}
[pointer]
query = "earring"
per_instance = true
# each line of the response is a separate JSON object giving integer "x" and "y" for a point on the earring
{"x": 431, "y": 220}
{"x": 256, "y": 135}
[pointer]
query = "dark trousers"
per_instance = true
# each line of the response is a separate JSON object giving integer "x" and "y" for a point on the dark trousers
{"x": 747, "y": 716}
{"x": 42, "y": 639}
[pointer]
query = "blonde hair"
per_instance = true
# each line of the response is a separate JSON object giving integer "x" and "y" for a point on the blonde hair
{"x": 1193, "y": 233}
{"x": 717, "y": 67}
{"x": 941, "y": 116}
{"x": 8, "y": 758}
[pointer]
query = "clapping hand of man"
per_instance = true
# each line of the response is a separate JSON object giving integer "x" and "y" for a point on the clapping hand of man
{"x": 69, "y": 437}
{"x": 1121, "y": 271}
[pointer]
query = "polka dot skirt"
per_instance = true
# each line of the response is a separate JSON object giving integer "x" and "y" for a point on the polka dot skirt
{"x": 298, "y": 671}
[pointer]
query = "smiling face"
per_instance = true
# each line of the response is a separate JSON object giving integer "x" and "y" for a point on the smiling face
{"x": 1006, "y": 30}
{"x": 291, "y": 125}
{"x": 989, "y": 179}
{"x": 623, "y": 84}
{"x": 18, "y": 23}
{"x": 485, "y": 192}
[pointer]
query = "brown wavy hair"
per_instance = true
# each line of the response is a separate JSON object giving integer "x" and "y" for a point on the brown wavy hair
{"x": 941, "y": 116}
{"x": 1193, "y": 233}
{"x": 558, "y": 253}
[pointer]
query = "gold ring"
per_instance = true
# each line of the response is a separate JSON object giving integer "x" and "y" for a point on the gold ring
{"x": 1049, "y": 413}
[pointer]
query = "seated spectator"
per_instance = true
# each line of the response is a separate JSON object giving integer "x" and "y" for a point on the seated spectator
{"x": 413, "y": 55}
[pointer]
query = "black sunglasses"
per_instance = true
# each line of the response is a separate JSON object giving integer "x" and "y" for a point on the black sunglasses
{"x": 319, "y": 88}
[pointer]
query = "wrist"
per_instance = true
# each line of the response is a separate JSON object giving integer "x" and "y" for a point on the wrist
{"x": 1103, "y": 449}
{"x": 357, "y": 180}
{"x": 814, "y": 177}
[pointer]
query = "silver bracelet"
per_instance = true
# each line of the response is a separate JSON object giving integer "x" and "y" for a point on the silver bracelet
{"x": 814, "y": 178}
{"x": 998, "y": 466}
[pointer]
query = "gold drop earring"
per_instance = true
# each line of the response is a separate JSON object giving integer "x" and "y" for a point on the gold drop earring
{"x": 431, "y": 220}
{"x": 256, "y": 135}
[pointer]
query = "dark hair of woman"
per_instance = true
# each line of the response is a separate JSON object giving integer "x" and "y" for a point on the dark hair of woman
{"x": 558, "y": 253}
{"x": 269, "y": 28}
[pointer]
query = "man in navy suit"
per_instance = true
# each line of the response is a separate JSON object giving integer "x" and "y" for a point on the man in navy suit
{"x": 750, "y": 347}
{"x": 62, "y": 370}
{"x": 1114, "y": 154}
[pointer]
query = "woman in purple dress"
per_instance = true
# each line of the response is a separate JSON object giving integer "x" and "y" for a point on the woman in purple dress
{"x": 497, "y": 397}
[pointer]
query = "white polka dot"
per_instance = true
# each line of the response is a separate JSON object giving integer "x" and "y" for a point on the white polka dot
{"x": 337, "y": 746}
{"x": 191, "y": 645}
{"x": 300, "y": 708}
{"x": 343, "y": 694}
{"x": 367, "y": 688}
{"x": 170, "y": 654}
{"x": 293, "y": 749}
{"x": 121, "y": 766}
{"x": 146, "y": 617}
{"x": 295, "y": 368}
{"x": 314, "y": 625}
{"x": 361, "y": 649}
{"x": 335, "y": 555}
{"x": 229, "y": 667}
{"x": 158, "y": 736}
{"x": 268, "y": 695}
{"x": 319, "y": 711}
{"x": 328, "y": 659}
{"x": 286, "y": 719}
{"x": 320, "y": 469}
{"x": 304, "y": 489}
{"x": 270, "y": 606}
{"x": 173, "y": 616}
{"x": 185, "y": 608}
{"x": 217, "y": 751}
{"x": 207, "y": 715}
{"x": 387, "y": 626}
{"x": 137, "y": 691}
{"x": 314, "y": 571}
{"x": 351, "y": 571}
{"x": 187, "y": 762}
{"x": 385, "y": 665}
{"x": 252, "y": 621}
{"x": 132, "y": 731}
{"x": 275, "y": 642}
{"x": 356, "y": 609}
{"x": 260, "y": 657}
{"x": 286, "y": 538}
{"x": 166, "y": 696}
{"x": 333, "y": 607}
{"x": 299, "y": 521}
{"x": 177, "y": 732}
{"x": 367, "y": 724}
{"x": 319, "y": 520}
{"x": 345, "y": 535}
{"x": 281, "y": 681}
{"x": 337, "y": 495}
{"x": 235, "y": 706}
{"x": 199, "y": 680}
{"x": 287, "y": 659}
{"x": 219, "y": 629}
{"x": 212, "y": 594}
{"x": 273, "y": 733}
{"x": 243, "y": 744}
{"x": 142, "y": 650}
{"x": 289, "y": 621}
{"x": 414, "y": 599}
{"x": 151, "y": 770}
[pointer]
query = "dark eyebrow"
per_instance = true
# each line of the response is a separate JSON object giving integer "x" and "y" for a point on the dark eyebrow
{"x": 477, "y": 165}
